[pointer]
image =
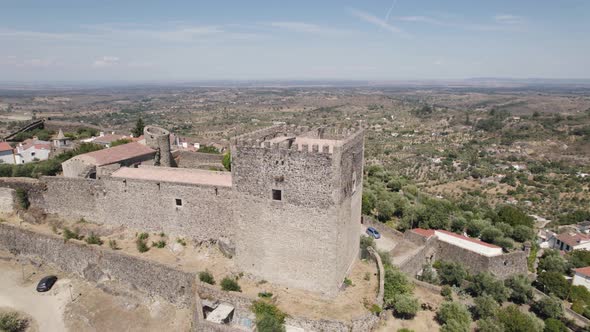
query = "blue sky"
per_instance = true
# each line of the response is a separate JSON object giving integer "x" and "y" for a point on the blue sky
{"x": 69, "y": 40}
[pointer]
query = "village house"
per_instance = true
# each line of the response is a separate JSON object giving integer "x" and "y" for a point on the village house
{"x": 582, "y": 277}
{"x": 32, "y": 149}
{"x": 571, "y": 241}
{"x": 6, "y": 153}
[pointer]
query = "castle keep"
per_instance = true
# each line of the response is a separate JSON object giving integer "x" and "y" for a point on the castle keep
{"x": 289, "y": 212}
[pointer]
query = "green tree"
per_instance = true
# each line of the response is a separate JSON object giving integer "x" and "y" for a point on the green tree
{"x": 474, "y": 227}
{"x": 551, "y": 261}
{"x": 554, "y": 283}
{"x": 454, "y": 326}
{"x": 554, "y": 325}
{"x": 138, "y": 129}
{"x": 521, "y": 289}
{"x": 226, "y": 161}
{"x": 549, "y": 307}
{"x": 513, "y": 216}
{"x": 579, "y": 258}
{"x": 453, "y": 311}
{"x": 489, "y": 325}
{"x": 451, "y": 273}
{"x": 523, "y": 233}
{"x": 268, "y": 317}
{"x": 490, "y": 234}
{"x": 514, "y": 320}
{"x": 396, "y": 283}
{"x": 485, "y": 283}
{"x": 405, "y": 306}
{"x": 485, "y": 306}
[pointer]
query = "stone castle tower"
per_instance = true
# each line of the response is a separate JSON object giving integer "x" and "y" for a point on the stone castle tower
{"x": 298, "y": 204}
{"x": 159, "y": 139}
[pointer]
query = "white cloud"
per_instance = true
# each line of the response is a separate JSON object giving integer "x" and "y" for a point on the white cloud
{"x": 509, "y": 19}
{"x": 304, "y": 27}
{"x": 369, "y": 18}
{"x": 106, "y": 61}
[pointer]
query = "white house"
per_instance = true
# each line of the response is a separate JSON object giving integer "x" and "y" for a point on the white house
{"x": 582, "y": 277}
{"x": 6, "y": 153}
{"x": 32, "y": 149}
{"x": 571, "y": 241}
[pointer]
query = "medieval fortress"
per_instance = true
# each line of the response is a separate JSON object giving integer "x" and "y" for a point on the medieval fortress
{"x": 289, "y": 212}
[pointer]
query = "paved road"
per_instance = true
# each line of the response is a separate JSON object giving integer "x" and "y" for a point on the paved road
{"x": 384, "y": 243}
{"x": 46, "y": 308}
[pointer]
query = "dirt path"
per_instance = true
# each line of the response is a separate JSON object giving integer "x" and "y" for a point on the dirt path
{"x": 384, "y": 243}
{"x": 46, "y": 308}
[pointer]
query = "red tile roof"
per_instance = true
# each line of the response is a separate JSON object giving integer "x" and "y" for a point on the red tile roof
{"x": 5, "y": 146}
{"x": 423, "y": 232}
{"x": 117, "y": 154}
{"x": 573, "y": 239}
{"x": 462, "y": 237}
{"x": 583, "y": 271}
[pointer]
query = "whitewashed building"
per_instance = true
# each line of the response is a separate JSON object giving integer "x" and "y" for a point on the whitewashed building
{"x": 6, "y": 153}
{"x": 32, "y": 149}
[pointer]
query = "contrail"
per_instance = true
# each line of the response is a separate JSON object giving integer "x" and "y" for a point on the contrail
{"x": 389, "y": 11}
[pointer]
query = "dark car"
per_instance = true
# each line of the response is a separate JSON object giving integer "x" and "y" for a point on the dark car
{"x": 373, "y": 232}
{"x": 46, "y": 283}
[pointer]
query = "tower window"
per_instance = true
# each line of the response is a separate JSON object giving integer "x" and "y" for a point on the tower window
{"x": 178, "y": 202}
{"x": 277, "y": 195}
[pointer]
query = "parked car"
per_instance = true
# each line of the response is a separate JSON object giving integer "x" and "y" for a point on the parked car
{"x": 372, "y": 232}
{"x": 46, "y": 283}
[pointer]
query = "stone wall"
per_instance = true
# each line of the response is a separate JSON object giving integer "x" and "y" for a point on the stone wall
{"x": 33, "y": 187}
{"x": 189, "y": 159}
{"x": 7, "y": 200}
{"x": 319, "y": 212}
{"x": 98, "y": 265}
{"x": 427, "y": 254}
{"x": 206, "y": 211}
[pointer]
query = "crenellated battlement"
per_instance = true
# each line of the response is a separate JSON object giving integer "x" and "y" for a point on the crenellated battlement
{"x": 321, "y": 140}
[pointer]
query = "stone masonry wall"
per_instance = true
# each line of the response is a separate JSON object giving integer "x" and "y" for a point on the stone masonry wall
{"x": 189, "y": 159}
{"x": 206, "y": 211}
{"x": 7, "y": 200}
{"x": 97, "y": 265}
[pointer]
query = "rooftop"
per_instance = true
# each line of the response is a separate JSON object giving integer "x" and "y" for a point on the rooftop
{"x": 423, "y": 232}
{"x": 116, "y": 154}
{"x": 107, "y": 139}
{"x": 573, "y": 239}
{"x": 177, "y": 175}
{"x": 465, "y": 238}
{"x": 5, "y": 146}
{"x": 585, "y": 271}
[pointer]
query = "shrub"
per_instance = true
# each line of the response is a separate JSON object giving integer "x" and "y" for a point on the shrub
{"x": 485, "y": 306}
{"x": 94, "y": 239}
{"x": 554, "y": 325}
{"x": 69, "y": 234}
{"x": 405, "y": 330}
{"x": 141, "y": 245}
{"x": 226, "y": 161}
{"x": 474, "y": 227}
{"x": 206, "y": 277}
{"x": 451, "y": 273}
{"x": 405, "y": 306}
{"x": 265, "y": 295}
{"x": 113, "y": 244}
{"x": 375, "y": 309}
{"x": 453, "y": 311}
{"x": 12, "y": 322}
{"x": 229, "y": 284}
{"x": 159, "y": 244}
{"x": 181, "y": 241}
{"x": 22, "y": 198}
{"x": 428, "y": 274}
{"x": 348, "y": 282}
{"x": 447, "y": 292}
{"x": 396, "y": 283}
{"x": 512, "y": 319}
{"x": 521, "y": 291}
{"x": 505, "y": 243}
{"x": 485, "y": 283}
{"x": 366, "y": 242}
{"x": 268, "y": 317}
{"x": 143, "y": 236}
{"x": 548, "y": 307}
{"x": 579, "y": 293}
